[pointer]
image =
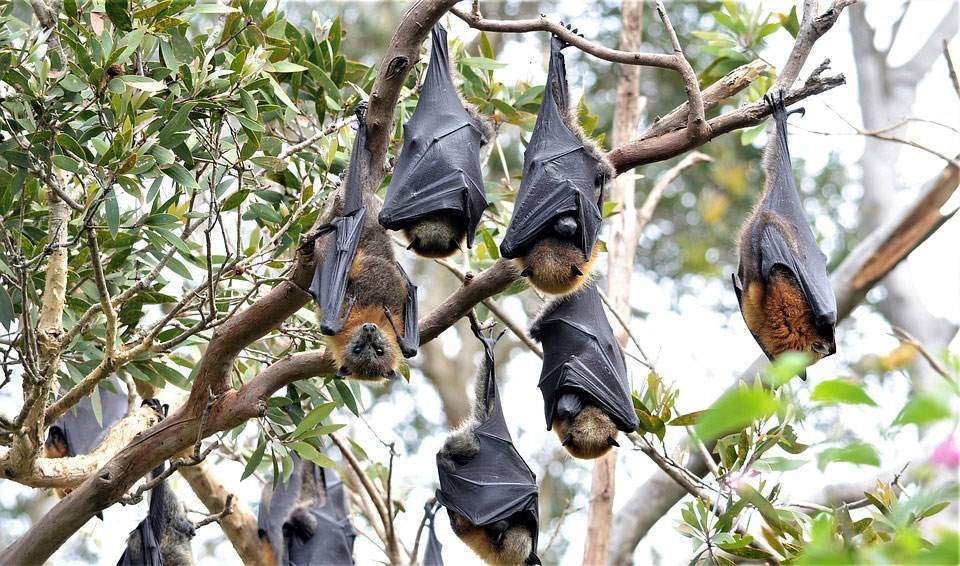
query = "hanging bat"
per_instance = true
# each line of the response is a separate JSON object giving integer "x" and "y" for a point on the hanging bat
{"x": 556, "y": 217}
{"x": 432, "y": 556}
{"x": 365, "y": 297}
{"x": 782, "y": 283}
{"x": 306, "y": 520}
{"x": 488, "y": 490}
{"x": 77, "y": 432}
{"x": 586, "y": 397}
{"x": 437, "y": 195}
{"x": 163, "y": 537}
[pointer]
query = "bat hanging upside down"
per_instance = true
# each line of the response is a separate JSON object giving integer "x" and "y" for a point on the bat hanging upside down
{"x": 488, "y": 490}
{"x": 782, "y": 283}
{"x": 368, "y": 305}
{"x": 556, "y": 218}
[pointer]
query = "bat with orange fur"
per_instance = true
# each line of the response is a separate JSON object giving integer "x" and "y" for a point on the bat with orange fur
{"x": 782, "y": 283}
{"x": 368, "y": 305}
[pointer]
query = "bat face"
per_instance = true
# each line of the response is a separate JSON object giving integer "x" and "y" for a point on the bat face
{"x": 503, "y": 542}
{"x": 366, "y": 350}
{"x": 557, "y": 266}
{"x": 585, "y": 431}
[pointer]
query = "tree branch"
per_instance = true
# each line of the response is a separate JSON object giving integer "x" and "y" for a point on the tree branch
{"x": 239, "y": 525}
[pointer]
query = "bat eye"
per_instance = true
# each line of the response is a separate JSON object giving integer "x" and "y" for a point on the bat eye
{"x": 379, "y": 351}
{"x": 357, "y": 350}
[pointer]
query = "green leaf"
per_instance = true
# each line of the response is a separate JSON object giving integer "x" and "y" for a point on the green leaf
{"x": 69, "y": 144}
{"x": 285, "y": 67}
{"x": 791, "y": 22}
{"x": 249, "y": 105}
{"x": 859, "y": 453}
{"x": 163, "y": 155}
{"x": 180, "y": 174}
{"x": 688, "y": 419}
{"x": 152, "y": 10}
{"x": 66, "y": 163}
{"x": 97, "y": 405}
{"x": 282, "y": 95}
{"x": 254, "y": 460}
{"x": 922, "y": 410}
{"x": 749, "y": 134}
{"x": 778, "y": 464}
{"x": 933, "y": 510}
{"x": 735, "y": 411}
{"x": 787, "y": 366}
{"x": 112, "y": 211}
{"x": 212, "y": 9}
{"x": 348, "y": 399}
{"x": 118, "y": 12}
{"x": 491, "y": 246}
{"x": 7, "y": 313}
{"x": 841, "y": 391}
{"x": 309, "y": 452}
{"x": 143, "y": 83}
{"x": 314, "y": 417}
{"x": 235, "y": 200}
{"x": 482, "y": 63}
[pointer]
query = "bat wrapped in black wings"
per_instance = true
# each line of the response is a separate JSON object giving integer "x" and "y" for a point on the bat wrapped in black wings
{"x": 78, "y": 432}
{"x": 306, "y": 521}
{"x": 489, "y": 491}
{"x": 557, "y": 214}
{"x": 586, "y": 396}
{"x": 782, "y": 283}
{"x": 163, "y": 537}
{"x": 368, "y": 305}
{"x": 437, "y": 195}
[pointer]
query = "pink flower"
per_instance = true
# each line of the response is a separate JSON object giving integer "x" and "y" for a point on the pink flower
{"x": 947, "y": 454}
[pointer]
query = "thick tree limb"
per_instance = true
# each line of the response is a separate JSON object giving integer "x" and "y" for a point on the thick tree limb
{"x": 239, "y": 525}
{"x": 851, "y": 281}
{"x": 70, "y": 472}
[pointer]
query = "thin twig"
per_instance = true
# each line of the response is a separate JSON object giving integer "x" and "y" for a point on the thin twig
{"x": 216, "y": 517}
{"x": 951, "y": 67}
{"x": 907, "y": 338}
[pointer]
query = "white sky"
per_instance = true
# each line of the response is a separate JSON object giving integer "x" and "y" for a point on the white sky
{"x": 693, "y": 346}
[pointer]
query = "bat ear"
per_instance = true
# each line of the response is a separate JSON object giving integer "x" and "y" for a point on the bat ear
{"x": 611, "y": 441}
{"x": 527, "y": 272}
{"x": 576, "y": 271}
{"x": 343, "y": 372}
{"x": 567, "y": 440}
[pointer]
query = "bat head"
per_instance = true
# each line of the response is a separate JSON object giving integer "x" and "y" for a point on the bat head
{"x": 370, "y": 353}
{"x": 508, "y": 541}
{"x": 56, "y": 444}
{"x": 555, "y": 264}
{"x": 437, "y": 235}
{"x": 585, "y": 431}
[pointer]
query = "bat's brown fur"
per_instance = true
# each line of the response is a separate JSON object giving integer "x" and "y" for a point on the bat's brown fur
{"x": 550, "y": 263}
{"x": 778, "y": 314}
{"x": 437, "y": 236}
{"x": 56, "y": 447}
{"x": 376, "y": 283}
{"x": 590, "y": 433}
{"x": 514, "y": 548}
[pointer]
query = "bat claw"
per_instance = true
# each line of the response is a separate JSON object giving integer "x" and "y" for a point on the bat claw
{"x": 576, "y": 271}
{"x": 613, "y": 441}
{"x": 343, "y": 372}
{"x": 567, "y": 440}
{"x": 413, "y": 243}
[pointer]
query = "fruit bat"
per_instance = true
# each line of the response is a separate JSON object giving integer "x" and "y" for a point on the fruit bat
{"x": 556, "y": 217}
{"x": 78, "y": 432}
{"x": 306, "y": 520}
{"x": 782, "y": 283}
{"x": 163, "y": 537}
{"x": 437, "y": 195}
{"x": 368, "y": 305}
{"x": 586, "y": 396}
{"x": 489, "y": 491}
{"x": 432, "y": 556}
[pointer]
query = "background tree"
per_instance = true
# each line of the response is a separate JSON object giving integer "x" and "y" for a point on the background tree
{"x": 163, "y": 165}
